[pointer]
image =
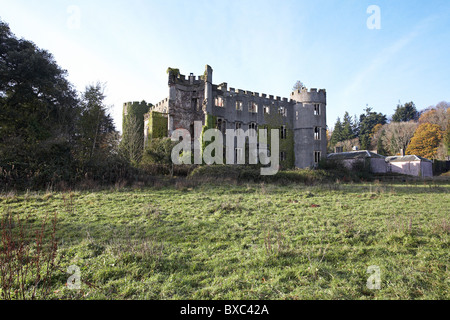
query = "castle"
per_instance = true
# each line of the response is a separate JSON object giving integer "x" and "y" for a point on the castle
{"x": 301, "y": 118}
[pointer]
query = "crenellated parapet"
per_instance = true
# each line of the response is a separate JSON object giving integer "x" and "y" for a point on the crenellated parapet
{"x": 162, "y": 106}
{"x": 189, "y": 80}
{"x": 135, "y": 105}
{"x": 223, "y": 90}
{"x": 309, "y": 96}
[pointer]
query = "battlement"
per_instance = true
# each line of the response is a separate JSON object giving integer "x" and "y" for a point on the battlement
{"x": 250, "y": 94}
{"x": 301, "y": 95}
{"x": 305, "y": 90}
{"x": 128, "y": 105}
{"x": 311, "y": 95}
{"x": 131, "y": 103}
{"x": 188, "y": 80}
{"x": 162, "y": 103}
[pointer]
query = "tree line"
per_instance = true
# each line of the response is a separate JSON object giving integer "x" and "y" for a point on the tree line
{"x": 424, "y": 133}
{"x": 52, "y": 134}
{"x": 49, "y": 132}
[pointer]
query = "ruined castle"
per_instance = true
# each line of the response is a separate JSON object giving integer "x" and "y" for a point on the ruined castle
{"x": 301, "y": 118}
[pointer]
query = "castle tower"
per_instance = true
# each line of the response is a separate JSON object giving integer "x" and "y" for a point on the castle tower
{"x": 310, "y": 127}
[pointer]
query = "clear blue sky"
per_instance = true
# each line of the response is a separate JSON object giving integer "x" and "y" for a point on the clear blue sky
{"x": 262, "y": 46}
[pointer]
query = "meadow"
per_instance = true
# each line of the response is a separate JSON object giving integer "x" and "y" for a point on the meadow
{"x": 255, "y": 241}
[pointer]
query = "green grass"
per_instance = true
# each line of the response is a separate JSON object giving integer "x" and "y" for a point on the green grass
{"x": 255, "y": 241}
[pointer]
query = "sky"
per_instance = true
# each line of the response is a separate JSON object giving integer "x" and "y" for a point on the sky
{"x": 373, "y": 53}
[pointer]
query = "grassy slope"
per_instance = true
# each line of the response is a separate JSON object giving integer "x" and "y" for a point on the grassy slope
{"x": 251, "y": 241}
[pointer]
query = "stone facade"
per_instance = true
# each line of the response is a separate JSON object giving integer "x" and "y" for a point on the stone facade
{"x": 301, "y": 118}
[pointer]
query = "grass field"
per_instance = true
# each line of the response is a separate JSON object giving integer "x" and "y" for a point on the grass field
{"x": 248, "y": 241}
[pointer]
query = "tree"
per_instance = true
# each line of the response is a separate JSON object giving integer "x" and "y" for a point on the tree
{"x": 132, "y": 144}
{"x": 36, "y": 100}
{"x": 329, "y": 146}
{"x": 336, "y": 136}
{"x": 398, "y": 135}
{"x": 447, "y": 140}
{"x": 159, "y": 151}
{"x": 376, "y": 129}
{"x": 375, "y": 138}
{"x": 347, "y": 128}
{"x": 298, "y": 86}
{"x": 405, "y": 113}
{"x": 95, "y": 124}
{"x": 355, "y": 126}
{"x": 367, "y": 122}
{"x": 380, "y": 147}
{"x": 425, "y": 141}
{"x": 38, "y": 112}
{"x": 347, "y": 145}
{"x": 439, "y": 114}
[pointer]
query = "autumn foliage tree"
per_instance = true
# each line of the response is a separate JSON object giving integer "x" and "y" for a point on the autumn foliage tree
{"x": 425, "y": 141}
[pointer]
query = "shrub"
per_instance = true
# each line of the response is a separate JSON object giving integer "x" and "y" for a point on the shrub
{"x": 27, "y": 259}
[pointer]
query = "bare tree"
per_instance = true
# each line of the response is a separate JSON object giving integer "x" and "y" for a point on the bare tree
{"x": 439, "y": 114}
{"x": 347, "y": 145}
{"x": 396, "y": 136}
{"x": 134, "y": 145}
{"x": 298, "y": 86}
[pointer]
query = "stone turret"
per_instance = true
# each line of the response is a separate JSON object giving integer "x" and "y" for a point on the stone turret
{"x": 208, "y": 89}
{"x": 310, "y": 126}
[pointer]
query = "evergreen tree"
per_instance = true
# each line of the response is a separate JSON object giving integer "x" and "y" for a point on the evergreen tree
{"x": 95, "y": 124}
{"x": 347, "y": 128}
{"x": 380, "y": 147}
{"x": 336, "y": 136}
{"x": 367, "y": 122}
{"x": 355, "y": 126}
{"x": 405, "y": 113}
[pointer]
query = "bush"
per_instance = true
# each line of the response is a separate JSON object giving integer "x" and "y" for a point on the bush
{"x": 246, "y": 173}
{"x": 108, "y": 171}
{"x": 27, "y": 257}
{"x": 329, "y": 164}
{"x": 216, "y": 171}
{"x": 158, "y": 151}
{"x": 440, "y": 167}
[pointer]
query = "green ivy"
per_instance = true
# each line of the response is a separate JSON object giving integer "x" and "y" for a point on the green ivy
{"x": 136, "y": 111}
{"x": 275, "y": 121}
{"x": 157, "y": 126}
{"x": 210, "y": 124}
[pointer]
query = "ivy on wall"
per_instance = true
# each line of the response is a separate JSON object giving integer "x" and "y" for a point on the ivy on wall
{"x": 133, "y": 129}
{"x": 173, "y": 74}
{"x": 210, "y": 124}
{"x": 157, "y": 125}
{"x": 275, "y": 121}
{"x": 137, "y": 110}
{"x": 272, "y": 122}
